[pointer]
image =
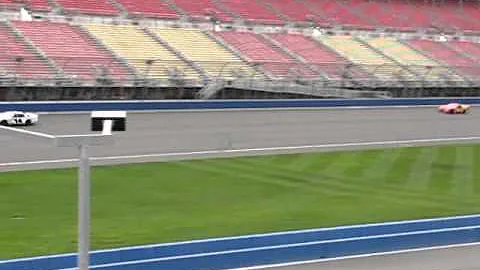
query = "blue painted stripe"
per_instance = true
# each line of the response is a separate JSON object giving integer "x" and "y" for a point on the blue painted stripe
{"x": 245, "y": 242}
{"x": 136, "y": 105}
{"x": 304, "y": 251}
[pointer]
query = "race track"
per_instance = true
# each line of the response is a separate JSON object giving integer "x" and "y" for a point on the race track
{"x": 151, "y": 135}
{"x": 452, "y": 258}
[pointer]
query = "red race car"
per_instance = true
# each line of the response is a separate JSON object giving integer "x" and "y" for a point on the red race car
{"x": 454, "y": 108}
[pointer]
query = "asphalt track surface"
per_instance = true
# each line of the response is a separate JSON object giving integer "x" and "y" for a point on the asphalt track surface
{"x": 454, "y": 258}
{"x": 152, "y": 133}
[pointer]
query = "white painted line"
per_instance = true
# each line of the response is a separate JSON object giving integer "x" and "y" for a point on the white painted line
{"x": 249, "y": 150}
{"x": 301, "y": 244}
{"x": 377, "y": 254}
{"x": 28, "y": 132}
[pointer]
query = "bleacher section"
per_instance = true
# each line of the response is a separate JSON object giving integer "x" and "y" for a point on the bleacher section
{"x": 307, "y": 42}
{"x": 340, "y": 14}
{"x": 426, "y": 67}
{"x": 72, "y": 51}
{"x": 252, "y": 11}
{"x": 448, "y": 56}
{"x": 360, "y": 54}
{"x": 18, "y": 60}
{"x": 149, "y": 9}
{"x": 142, "y": 51}
{"x": 92, "y": 7}
{"x": 200, "y": 9}
{"x": 320, "y": 57}
{"x": 366, "y": 14}
{"x": 292, "y": 10}
{"x": 216, "y": 60}
{"x": 260, "y": 51}
{"x": 33, "y": 5}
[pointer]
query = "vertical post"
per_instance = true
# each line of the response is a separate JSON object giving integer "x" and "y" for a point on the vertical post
{"x": 84, "y": 208}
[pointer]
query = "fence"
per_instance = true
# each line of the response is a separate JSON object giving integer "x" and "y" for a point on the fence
{"x": 85, "y": 71}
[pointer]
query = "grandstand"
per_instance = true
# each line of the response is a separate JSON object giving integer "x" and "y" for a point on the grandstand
{"x": 264, "y": 48}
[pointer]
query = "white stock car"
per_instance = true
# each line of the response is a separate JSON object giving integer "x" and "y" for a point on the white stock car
{"x": 18, "y": 118}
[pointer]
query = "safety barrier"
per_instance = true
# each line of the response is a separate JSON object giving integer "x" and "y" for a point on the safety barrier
{"x": 261, "y": 249}
{"x": 139, "y": 105}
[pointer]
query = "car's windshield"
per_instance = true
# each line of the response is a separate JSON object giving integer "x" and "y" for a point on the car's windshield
{"x": 18, "y": 115}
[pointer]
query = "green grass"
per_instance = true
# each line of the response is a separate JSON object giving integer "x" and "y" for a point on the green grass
{"x": 152, "y": 203}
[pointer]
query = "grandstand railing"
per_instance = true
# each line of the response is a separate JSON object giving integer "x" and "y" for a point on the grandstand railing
{"x": 18, "y": 70}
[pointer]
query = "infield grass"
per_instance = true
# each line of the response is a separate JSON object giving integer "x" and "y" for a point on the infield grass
{"x": 160, "y": 202}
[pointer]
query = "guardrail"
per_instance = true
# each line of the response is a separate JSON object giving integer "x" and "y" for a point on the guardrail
{"x": 142, "y": 105}
{"x": 262, "y": 249}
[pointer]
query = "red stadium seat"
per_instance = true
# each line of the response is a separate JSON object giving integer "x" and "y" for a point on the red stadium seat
{"x": 70, "y": 49}
{"x": 252, "y": 11}
{"x": 93, "y": 7}
{"x": 149, "y": 8}
{"x": 198, "y": 9}
{"x": 315, "y": 54}
{"x": 259, "y": 51}
{"x": 16, "y": 58}
{"x": 448, "y": 56}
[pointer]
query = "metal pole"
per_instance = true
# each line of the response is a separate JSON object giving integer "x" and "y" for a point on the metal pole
{"x": 83, "y": 208}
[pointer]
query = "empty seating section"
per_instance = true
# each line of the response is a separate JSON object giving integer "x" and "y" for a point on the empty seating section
{"x": 448, "y": 56}
{"x": 339, "y": 13}
{"x": 216, "y": 60}
{"x": 252, "y": 10}
{"x": 149, "y": 8}
{"x": 294, "y": 10}
{"x": 143, "y": 52}
{"x": 93, "y": 7}
{"x": 199, "y": 8}
{"x": 39, "y": 5}
{"x": 34, "y": 5}
{"x": 16, "y": 58}
{"x": 450, "y": 16}
{"x": 71, "y": 50}
{"x": 259, "y": 51}
{"x": 468, "y": 48}
{"x": 360, "y": 54}
{"x": 9, "y": 4}
{"x": 314, "y": 53}
{"x": 419, "y": 63}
